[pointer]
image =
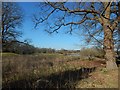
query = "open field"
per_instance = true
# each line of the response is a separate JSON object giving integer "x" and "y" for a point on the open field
{"x": 55, "y": 71}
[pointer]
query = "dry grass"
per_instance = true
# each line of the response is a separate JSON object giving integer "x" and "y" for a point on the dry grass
{"x": 29, "y": 68}
{"x": 53, "y": 71}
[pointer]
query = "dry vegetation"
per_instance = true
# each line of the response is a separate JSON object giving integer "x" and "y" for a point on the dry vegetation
{"x": 54, "y": 71}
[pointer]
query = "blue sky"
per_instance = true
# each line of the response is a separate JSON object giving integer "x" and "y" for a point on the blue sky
{"x": 42, "y": 39}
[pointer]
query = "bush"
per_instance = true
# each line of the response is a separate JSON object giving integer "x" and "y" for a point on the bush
{"x": 91, "y": 53}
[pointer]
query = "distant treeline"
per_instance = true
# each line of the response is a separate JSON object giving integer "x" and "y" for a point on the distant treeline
{"x": 18, "y": 47}
{"x": 25, "y": 48}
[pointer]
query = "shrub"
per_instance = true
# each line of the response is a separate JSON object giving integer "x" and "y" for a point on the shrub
{"x": 91, "y": 53}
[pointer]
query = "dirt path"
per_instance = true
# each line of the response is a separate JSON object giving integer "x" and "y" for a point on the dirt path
{"x": 101, "y": 78}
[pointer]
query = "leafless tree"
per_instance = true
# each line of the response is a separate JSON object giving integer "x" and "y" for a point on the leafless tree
{"x": 12, "y": 17}
{"x": 99, "y": 20}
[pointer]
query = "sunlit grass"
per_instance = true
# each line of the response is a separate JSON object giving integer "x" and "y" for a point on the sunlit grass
{"x": 8, "y": 54}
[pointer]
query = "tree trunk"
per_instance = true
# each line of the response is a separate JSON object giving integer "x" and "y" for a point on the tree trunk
{"x": 109, "y": 49}
{"x": 108, "y": 41}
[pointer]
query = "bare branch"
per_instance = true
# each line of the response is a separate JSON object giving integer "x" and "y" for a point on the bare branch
{"x": 73, "y": 11}
{"x": 76, "y": 23}
{"x": 91, "y": 35}
{"x": 41, "y": 20}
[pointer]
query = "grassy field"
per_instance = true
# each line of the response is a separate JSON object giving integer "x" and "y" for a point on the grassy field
{"x": 55, "y": 71}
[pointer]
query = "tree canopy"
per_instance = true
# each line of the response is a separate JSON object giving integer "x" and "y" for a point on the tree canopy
{"x": 76, "y": 16}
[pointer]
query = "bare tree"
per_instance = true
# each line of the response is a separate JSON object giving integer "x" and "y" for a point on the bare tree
{"x": 99, "y": 18}
{"x": 11, "y": 19}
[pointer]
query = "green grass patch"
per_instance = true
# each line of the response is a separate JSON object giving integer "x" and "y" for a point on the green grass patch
{"x": 8, "y": 54}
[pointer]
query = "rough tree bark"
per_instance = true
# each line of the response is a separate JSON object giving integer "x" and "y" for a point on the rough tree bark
{"x": 108, "y": 41}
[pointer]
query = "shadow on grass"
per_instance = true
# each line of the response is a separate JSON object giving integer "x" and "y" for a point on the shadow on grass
{"x": 67, "y": 79}
{"x": 118, "y": 61}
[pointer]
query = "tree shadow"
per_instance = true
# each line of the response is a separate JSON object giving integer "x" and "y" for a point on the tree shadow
{"x": 66, "y": 79}
{"x": 118, "y": 61}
